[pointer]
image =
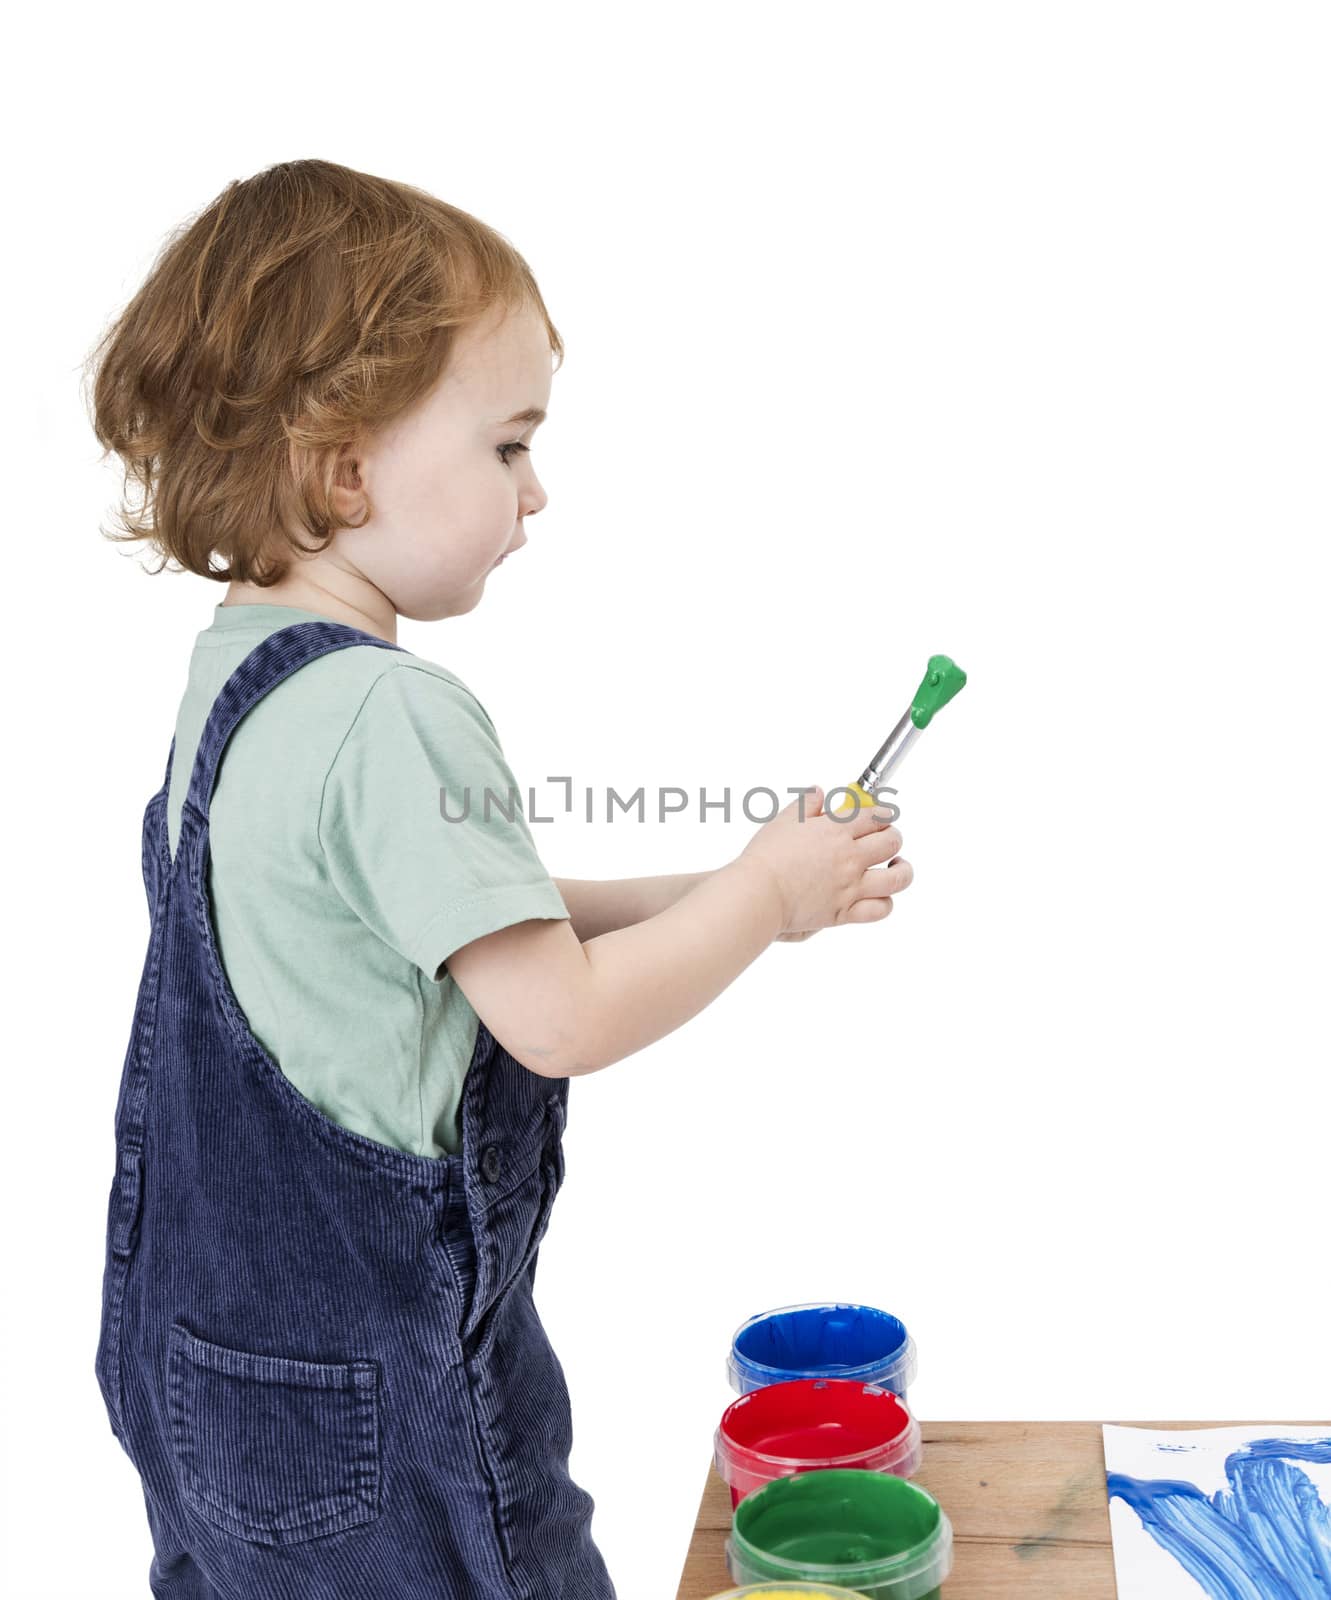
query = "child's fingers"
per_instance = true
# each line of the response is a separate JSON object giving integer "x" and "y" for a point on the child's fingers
{"x": 880, "y": 845}
{"x": 888, "y": 880}
{"x": 871, "y": 910}
{"x": 870, "y": 819}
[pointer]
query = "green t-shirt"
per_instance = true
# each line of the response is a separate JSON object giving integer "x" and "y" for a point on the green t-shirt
{"x": 339, "y": 887}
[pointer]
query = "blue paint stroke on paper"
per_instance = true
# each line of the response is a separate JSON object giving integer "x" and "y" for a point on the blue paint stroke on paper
{"x": 1267, "y": 1538}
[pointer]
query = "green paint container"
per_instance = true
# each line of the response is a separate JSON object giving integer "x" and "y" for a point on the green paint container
{"x": 878, "y": 1535}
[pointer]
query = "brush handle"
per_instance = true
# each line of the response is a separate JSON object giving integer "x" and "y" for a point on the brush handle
{"x": 943, "y": 679}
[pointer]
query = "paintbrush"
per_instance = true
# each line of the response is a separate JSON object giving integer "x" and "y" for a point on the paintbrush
{"x": 943, "y": 679}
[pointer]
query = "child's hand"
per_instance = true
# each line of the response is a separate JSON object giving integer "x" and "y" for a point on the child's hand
{"x": 563, "y": 1007}
{"x": 827, "y": 871}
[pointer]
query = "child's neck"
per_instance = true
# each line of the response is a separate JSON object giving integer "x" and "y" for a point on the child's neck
{"x": 348, "y": 599}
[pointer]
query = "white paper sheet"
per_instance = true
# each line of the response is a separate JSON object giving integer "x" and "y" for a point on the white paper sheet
{"x": 1264, "y": 1535}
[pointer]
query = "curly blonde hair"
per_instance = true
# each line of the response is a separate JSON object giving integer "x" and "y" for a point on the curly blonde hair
{"x": 304, "y": 307}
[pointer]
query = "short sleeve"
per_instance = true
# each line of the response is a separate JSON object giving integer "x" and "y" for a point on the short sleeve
{"x": 412, "y": 842}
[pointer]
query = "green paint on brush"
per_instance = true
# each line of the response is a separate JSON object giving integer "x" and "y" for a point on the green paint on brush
{"x": 943, "y": 679}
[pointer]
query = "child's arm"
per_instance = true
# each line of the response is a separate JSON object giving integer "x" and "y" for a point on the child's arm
{"x": 600, "y": 905}
{"x": 564, "y": 1008}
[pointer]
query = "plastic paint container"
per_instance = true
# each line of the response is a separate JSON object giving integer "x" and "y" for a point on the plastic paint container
{"x": 812, "y": 1424}
{"x": 768, "y": 1591}
{"x": 875, "y": 1534}
{"x": 831, "y": 1340}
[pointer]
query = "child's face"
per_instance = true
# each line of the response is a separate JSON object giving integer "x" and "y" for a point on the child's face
{"x": 448, "y": 499}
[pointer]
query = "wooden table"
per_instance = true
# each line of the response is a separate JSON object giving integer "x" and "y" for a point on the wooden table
{"x": 1027, "y": 1503}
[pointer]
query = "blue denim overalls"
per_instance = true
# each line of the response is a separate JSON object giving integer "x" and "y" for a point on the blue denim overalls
{"x": 321, "y": 1353}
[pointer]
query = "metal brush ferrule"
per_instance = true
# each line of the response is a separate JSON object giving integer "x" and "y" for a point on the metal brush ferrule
{"x": 894, "y": 747}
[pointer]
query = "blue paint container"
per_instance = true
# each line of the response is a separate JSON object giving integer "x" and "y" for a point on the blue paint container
{"x": 829, "y": 1340}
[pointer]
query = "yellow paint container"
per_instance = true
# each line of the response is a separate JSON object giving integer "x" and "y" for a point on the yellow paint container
{"x": 781, "y": 1591}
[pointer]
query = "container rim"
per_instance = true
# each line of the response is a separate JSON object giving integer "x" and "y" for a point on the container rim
{"x": 903, "y": 1445}
{"x": 901, "y": 1361}
{"x": 930, "y": 1555}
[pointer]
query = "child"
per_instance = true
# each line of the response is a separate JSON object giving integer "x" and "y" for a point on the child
{"x": 338, "y": 1132}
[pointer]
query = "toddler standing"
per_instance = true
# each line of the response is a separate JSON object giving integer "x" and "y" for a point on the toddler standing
{"x": 339, "y": 1127}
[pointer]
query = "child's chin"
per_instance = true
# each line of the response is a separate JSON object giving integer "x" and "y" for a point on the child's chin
{"x": 449, "y": 605}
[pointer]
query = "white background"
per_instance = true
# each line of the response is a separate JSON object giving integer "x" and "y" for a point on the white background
{"x": 997, "y": 331}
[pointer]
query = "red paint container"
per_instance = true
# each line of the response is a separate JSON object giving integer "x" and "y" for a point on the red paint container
{"x": 810, "y": 1423}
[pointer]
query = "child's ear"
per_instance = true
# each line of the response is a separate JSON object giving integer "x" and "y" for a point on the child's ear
{"x": 346, "y": 490}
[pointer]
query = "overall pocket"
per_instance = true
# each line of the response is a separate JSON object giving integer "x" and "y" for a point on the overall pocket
{"x": 122, "y": 1221}
{"x": 271, "y": 1449}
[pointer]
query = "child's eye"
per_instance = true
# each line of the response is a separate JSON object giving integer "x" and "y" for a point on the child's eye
{"x": 516, "y": 445}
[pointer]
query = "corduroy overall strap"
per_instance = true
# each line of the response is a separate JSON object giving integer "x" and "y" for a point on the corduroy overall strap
{"x": 275, "y": 658}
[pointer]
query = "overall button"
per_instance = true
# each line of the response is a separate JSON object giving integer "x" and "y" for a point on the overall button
{"x": 492, "y": 1163}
